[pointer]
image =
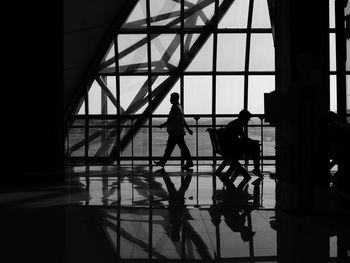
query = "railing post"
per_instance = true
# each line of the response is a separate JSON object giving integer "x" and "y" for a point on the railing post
{"x": 196, "y": 119}
{"x": 262, "y": 143}
{"x": 132, "y": 145}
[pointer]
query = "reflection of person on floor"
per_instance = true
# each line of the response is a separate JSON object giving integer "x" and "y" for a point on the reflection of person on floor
{"x": 177, "y": 204}
{"x": 176, "y": 125}
{"x": 237, "y": 143}
{"x": 236, "y": 221}
{"x": 234, "y": 211}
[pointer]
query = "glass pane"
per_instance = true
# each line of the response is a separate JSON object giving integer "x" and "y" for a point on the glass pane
{"x": 125, "y": 127}
{"x": 132, "y": 52}
{"x": 141, "y": 143}
{"x": 254, "y": 132}
{"x": 333, "y": 93}
{"x": 198, "y": 13}
{"x": 164, "y": 12}
{"x": 222, "y": 121}
{"x": 111, "y": 98}
{"x": 76, "y": 142}
{"x": 204, "y": 144}
{"x": 165, "y": 50}
{"x": 257, "y": 86}
{"x": 189, "y": 40}
{"x": 160, "y": 138}
{"x": 198, "y": 94}
{"x": 102, "y": 141}
{"x": 236, "y": 16}
{"x": 137, "y": 17}
{"x": 133, "y": 94}
{"x": 269, "y": 141}
{"x": 331, "y": 14}
{"x": 348, "y": 54}
{"x": 332, "y": 53}
{"x": 108, "y": 94}
{"x": 81, "y": 110}
{"x": 95, "y": 98}
{"x": 108, "y": 62}
{"x": 231, "y": 52}
{"x": 165, "y": 105}
{"x": 229, "y": 94}
{"x": 203, "y": 61}
{"x": 262, "y": 53}
{"x": 261, "y": 17}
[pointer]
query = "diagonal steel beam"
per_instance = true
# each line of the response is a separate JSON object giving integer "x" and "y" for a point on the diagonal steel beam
{"x": 141, "y": 98}
{"x": 100, "y": 54}
{"x": 188, "y": 13}
{"x": 106, "y": 90}
{"x": 166, "y": 86}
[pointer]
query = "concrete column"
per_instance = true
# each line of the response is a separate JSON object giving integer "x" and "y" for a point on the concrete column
{"x": 302, "y": 86}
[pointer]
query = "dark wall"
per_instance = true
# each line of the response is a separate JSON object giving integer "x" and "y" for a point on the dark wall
{"x": 32, "y": 116}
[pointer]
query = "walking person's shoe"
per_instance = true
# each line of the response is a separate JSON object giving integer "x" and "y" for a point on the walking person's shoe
{"x": 188, "y": 165}
{"x": 159, "y": 163}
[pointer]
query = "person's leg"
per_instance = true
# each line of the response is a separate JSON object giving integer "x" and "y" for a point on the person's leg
{"x": 255, "y": 152}
{"x": 252, "y": 148}
{"x": 168, "y": 150}
{"x": 180, "y": 140}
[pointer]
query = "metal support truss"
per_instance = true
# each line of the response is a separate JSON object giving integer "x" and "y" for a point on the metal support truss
{"x": 164, "y": 88}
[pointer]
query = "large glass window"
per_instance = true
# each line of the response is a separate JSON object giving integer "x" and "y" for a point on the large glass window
{"x": 219, "y": 64}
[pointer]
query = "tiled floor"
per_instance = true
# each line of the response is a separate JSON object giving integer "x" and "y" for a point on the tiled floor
{"x": 140, "y": 213}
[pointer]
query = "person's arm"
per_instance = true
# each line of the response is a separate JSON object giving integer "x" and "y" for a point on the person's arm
{"x": 242, "y": 135}
{"x": 188, "y": 128}
{"x": 169, "y": 120}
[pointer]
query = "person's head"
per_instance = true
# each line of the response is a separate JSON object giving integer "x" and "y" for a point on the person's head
{"x": 244, "y": 116}
{"x": 174, "y": 98}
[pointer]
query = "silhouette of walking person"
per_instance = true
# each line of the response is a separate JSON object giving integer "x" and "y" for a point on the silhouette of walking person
{"x": 176, "y": 125}
{"x": 236, "y": 142}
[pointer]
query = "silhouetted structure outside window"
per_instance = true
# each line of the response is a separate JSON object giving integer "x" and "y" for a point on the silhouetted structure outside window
{"x": 176, "y": 125}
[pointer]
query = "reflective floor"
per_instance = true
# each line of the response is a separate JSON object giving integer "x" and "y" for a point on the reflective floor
{"x": 104, "y": 214}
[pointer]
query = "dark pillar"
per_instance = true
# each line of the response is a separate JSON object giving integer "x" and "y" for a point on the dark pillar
{"x": 32, "y": 92}
{"x": 302, "y": 83}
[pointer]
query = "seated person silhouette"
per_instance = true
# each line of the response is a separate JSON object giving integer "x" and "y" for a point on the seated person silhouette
{"x": 236, "y": 143}
{"x": 177, "y": 204}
